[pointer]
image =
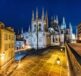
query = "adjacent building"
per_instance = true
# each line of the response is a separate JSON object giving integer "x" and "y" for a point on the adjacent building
{"x": 20, "y": 44}
{"x": 55, "y": 31}
{"x": 7, "y": 42}
{"x": 60, "y": 33}
{"x": 79, "y": 33}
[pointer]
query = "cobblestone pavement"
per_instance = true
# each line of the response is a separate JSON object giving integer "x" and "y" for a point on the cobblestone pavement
{"x": 43, "y": 65}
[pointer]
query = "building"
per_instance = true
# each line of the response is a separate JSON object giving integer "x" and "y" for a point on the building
{"x": 7, "y": 42}
{"x": 60, "y": 33}
{"x": 38, "y": 35}
{"x": 55, "y": 32}
{"x": 79, "y": 33}
{"x": 20, "y": 43}
{"x": 68, "y": 35}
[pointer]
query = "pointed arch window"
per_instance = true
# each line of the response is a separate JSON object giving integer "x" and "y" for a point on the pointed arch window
{"x": 34, "y": 27}
{"x": 40, "y": 27}
{"x": 53, "y": 39}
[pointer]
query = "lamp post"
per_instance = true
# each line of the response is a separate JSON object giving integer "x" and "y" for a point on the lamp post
{"x": 37, "y": 34}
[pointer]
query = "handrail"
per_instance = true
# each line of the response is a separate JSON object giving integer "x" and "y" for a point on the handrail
{"x": 75, "y": 65}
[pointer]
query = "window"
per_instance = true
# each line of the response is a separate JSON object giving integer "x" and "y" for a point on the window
{"x": 34, "y": 28}
{"x": 62, "y": 32}
{"x": 12, "y": 37}
{"x": 39, "y": 27}
{"x": 56, "y": 39}
{"x": 6, "y": 47}
{"x": 5, "y": 37}
{"x": 53, "y": 39}
{"x": 9, "y": 36}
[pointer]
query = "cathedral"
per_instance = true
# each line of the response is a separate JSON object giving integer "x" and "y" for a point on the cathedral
{"x": 38, "y": 35}
{"x": 55, "y": 31}
{"x": 60, "y": 33}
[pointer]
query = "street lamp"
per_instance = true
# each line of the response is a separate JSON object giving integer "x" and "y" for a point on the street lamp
{"x": 61, "y": 49}
{"x": 2, "y": 56}
{"x": 58, "y": 61}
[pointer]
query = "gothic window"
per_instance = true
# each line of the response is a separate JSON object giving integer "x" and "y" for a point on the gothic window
{"x": 53, "y": 39}
{"x": 39, "y": 27}
{"x": 62, "y": 32}
{"x": 34, "y": 28}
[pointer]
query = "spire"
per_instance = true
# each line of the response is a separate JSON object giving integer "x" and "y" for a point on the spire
{"x": 70, "y": 26}
{"x": 64, "y": 23}
{"x": 54, "y": 17}
{"x": 46, "y": 18}
{"x": 51, "y": 17}
{"x": 57, "y": 19}
{"x": 18, "y": 31}
{"x": 42, "y": 13}
{"x": 46, "y": 15}
{"x": 32, "y": 15}
{"x": 63, "y": 26}
{"x": 29, "y": 29}
{"x": 36, "y": 13}
{"x": 22, "y": 31}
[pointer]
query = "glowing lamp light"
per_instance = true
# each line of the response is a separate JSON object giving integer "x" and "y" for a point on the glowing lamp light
{"x": 2, "y": 56}
{"x": 61, "y": 49}
{"x": 58, "y": 61}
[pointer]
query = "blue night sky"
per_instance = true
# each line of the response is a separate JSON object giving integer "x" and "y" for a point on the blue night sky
{"x": 17, "y": 13}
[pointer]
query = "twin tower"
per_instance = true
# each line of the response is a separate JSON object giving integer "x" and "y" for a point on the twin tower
{"x": 41, "y": 23}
